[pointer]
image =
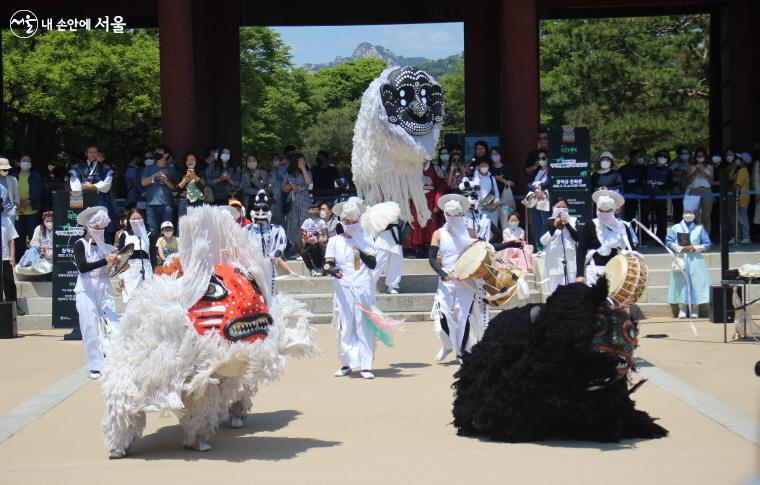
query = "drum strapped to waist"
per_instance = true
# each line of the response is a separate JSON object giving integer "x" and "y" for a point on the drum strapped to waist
{"x": 627, "y": 276}
{"x": 122, "y": 263}
{"x": 477, "y": 262}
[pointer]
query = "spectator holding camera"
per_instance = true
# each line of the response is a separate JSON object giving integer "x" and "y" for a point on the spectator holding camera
{"x": 158, "y": 180}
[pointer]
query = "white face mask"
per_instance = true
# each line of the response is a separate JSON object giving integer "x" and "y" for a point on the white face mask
{"x": 49, "y": 225}
{"x": 323, "y": 214}
{"x": 225, "y": 157}
{"x": 729, "y": 158}
{"x": 605, "y": 164}
{"x": 445, "y": 157}
{"x": 3, "y": 173}
{"x": 688, "y": 217}
{"x": 607, "y": 218}
{"x": 456, "y": 223}
{"x": 640, "y": 160}
{"x": 149, "y": 162}
{"x": 168, "y": 233}
{"x": 700, "y": 159}
{"x": 483, "y": 170}
{"x": 716, "y": 159}
{"x": 541, "y": 162}
{"x": 560, "y": 210}
{"x": 662, "y": 160}
{"x": 496, "y": 158}
{"x": 191, "y": 166}
{"x": 25, "y": 165}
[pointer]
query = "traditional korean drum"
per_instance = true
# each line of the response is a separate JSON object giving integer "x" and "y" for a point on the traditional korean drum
{"x": 499, "y": 282}
{"x": 627, "y": 276}
{"x": 475, "y": 262}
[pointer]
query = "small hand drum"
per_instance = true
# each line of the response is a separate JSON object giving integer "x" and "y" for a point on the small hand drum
{"x": 123, "y": 260}
{"x": 488, "y": 203}
{"x": 627, "y": 276}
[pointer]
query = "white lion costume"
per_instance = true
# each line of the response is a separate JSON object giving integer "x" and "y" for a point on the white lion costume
{"x": 396, "y": 131}
{"x": 198, "y": 345}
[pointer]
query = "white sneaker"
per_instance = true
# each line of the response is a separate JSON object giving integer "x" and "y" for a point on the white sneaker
{"x": 95, "y": 374}
{"x": 343, "y": 371}
{"x": 744, "y": 242}
{"x": 299, "y": 258}
{"x": 392, "y": 291}
{"x": 682, "y": 314}
{"x": 315, "y": 273}
{"x": 442, "y": 354}
{"x": 367, "y": 374}
{"x": 460, "y": 361}
{"x": 236, "y": 422}
{"x": 116, "y": 454}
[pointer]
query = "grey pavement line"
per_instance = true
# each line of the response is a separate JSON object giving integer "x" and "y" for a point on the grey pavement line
{"x": 720, "y": 412}
{"x": 29, "y": 411}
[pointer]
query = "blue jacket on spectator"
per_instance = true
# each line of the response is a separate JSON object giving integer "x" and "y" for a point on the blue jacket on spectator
{"x": 36, "y": 188}
{"x": 658, "y": 180}
{"x": 633, "y": 176}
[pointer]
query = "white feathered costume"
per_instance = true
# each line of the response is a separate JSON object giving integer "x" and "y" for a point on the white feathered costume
{"x": 157, "y": 361}
{"x": 396, "y": 131}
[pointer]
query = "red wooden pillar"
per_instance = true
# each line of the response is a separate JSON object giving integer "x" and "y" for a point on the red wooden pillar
{"x": 177, "y": 74}
{"x": 742, "y": 86}
{"x": 518, "y": 82}
{"x": 481, "y": 52}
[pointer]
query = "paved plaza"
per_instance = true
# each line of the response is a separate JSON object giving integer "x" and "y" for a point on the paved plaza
{"x": 314, "y": 428}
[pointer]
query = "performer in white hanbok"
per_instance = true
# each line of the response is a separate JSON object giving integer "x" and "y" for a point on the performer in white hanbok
{"x": 690, "y": 279}
{"x": 94, "y": 297}
{"x": 350, "y": 257}
{"x": 559, "y": 239}
{"x": 390, "y": 258}
{"x": 601, "y": 240}
{"x": 453, "y": 299}
{"x": 140, "y": 267}
{"x": 271, "y": 238}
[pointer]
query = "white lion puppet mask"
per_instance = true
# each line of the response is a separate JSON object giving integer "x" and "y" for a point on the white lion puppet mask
{"x": 199, "y": 345}
{"x": 396, "y": 131}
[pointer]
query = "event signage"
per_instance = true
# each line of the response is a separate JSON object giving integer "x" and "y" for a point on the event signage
{"x": 66, "y": 207}
{"x": 570, "y": 169}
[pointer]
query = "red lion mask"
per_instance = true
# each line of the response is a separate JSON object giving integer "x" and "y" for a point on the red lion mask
{"x": 233, "y": 306}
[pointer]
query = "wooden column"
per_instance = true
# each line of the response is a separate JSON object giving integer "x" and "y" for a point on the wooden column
{"x": 481, "y": 54}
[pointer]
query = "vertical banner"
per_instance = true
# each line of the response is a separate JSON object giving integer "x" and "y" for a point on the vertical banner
{"x": 66, "y": 207}
{"x": 570, "y": 169}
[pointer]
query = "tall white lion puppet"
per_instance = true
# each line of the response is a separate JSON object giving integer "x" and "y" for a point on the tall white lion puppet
{"x": 197, "y": 343}
{"x": 396, "y": 131}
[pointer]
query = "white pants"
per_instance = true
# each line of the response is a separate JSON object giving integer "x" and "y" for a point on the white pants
{"x": 453, "y": 300}
{"x": 91, "y": 307}
{"x": 132, "y": 277}
{"x": 593, "y": 272}
{"x": 393, "y": 264}
{"x": 356, "y": 342}
{"x": 559, "y": 280}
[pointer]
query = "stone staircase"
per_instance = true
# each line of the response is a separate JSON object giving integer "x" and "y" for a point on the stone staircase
{"x": 415, "y": 299}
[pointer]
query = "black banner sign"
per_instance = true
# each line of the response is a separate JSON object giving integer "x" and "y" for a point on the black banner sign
{"x": 570, "y": 172}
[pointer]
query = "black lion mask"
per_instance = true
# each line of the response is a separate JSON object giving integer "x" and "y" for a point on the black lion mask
{"x": 557, "y": 370}
{"x": 412, "y": 100}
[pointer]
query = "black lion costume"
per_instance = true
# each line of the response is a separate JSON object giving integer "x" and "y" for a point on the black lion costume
{"x": 557, "y": 370}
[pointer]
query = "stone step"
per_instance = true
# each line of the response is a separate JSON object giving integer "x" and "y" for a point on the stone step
{"x": 43, "y": 305}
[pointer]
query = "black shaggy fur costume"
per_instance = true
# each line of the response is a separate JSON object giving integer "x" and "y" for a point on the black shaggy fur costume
{"x": 534, "y": 375}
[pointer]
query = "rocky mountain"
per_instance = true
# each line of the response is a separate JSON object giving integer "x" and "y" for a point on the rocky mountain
{"x": 437, "y": 67}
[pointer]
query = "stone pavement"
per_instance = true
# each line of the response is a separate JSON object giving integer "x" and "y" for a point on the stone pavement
{"x": 314, "y": 428}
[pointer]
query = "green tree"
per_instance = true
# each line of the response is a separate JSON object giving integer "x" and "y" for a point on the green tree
{"x": 635, "y": 82}
{"x": 453, "y": 96}
{"x": 333, "y": 87}
{"x": 333, "y": 130}
{"x": 63, "y": 89}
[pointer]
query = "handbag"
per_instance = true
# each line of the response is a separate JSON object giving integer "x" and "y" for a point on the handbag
{"x": 508, "y": 198}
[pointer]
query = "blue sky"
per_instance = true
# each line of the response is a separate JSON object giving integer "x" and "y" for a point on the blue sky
{"x": 316, "y": 45}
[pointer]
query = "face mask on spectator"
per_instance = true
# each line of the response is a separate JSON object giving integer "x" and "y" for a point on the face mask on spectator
{"x": 700, "y": 159}
{"x": 323, "y": 214}
{"x": 25, "y": 165}
{"x": 252, "y": 165}
{"x": 275, "y": 162}
{"x": 605, "y": 164}
{"x": 225, "y": 157}
{"x": 3, "y": 173}
{"x": 168, "y": 233}
{"x": 541, "y": 162}
{"x": 640, "y": 160}
{"x": 662, "y": 160}
{"x": 444, "y": 157}
{"x": 190, "y": 165}
{"x": 149, "y": 162}
{"x": 688, "y": 217}
{"x": 514, "y": 225}
{"x": 483, "y": 170}
{"x": 684, "y": 157}
{"x": 49, "y": 225}
{"x": 729, "y": 158}
{"x": 496, "y": 158}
